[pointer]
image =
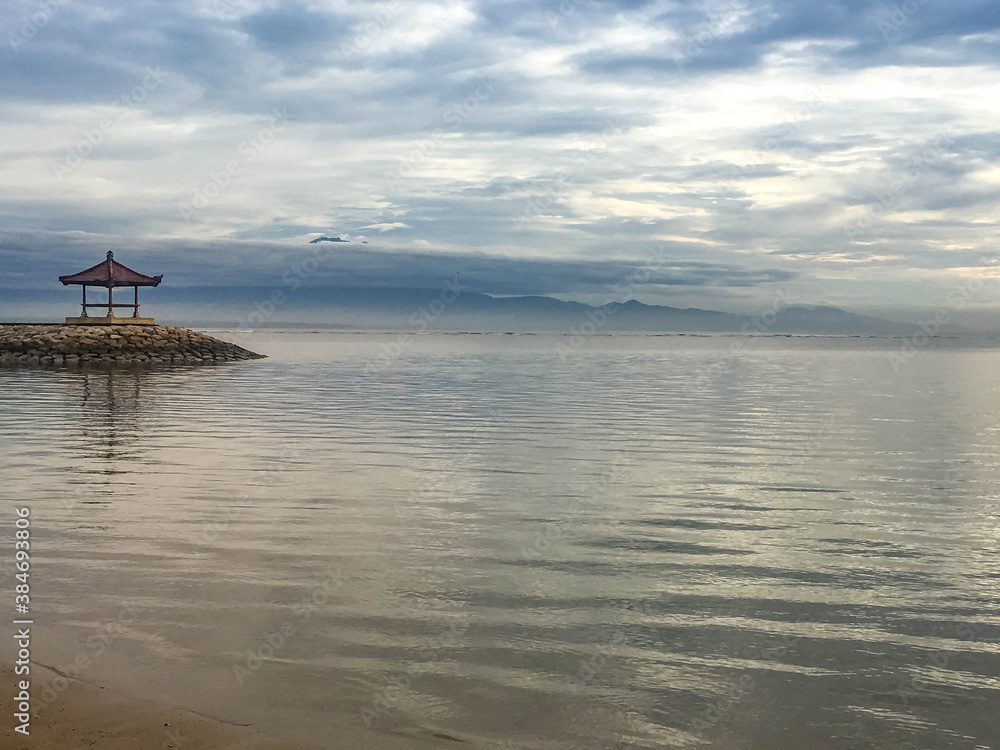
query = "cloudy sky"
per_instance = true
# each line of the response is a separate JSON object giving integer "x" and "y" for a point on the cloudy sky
{"x": 838, "y": 151}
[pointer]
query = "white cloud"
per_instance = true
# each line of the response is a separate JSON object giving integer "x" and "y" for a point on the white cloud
{"x": 387, "y": 226}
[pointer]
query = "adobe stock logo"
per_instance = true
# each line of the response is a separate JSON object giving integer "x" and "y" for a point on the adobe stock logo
{"x": 246, "y": 151}
{"x": 38, "y": 20}
{"x": 92, "y": 138}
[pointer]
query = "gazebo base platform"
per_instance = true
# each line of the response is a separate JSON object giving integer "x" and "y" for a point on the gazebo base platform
{"x": 92, "y": 321}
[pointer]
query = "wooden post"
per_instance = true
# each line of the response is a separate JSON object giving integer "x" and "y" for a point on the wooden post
{"x": 136, "y": 313}
{"x": 84, "y": 315}
{"x": 111, "y": 302}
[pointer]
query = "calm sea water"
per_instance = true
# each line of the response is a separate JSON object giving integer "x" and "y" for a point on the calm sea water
{"x": 651, "y": 543}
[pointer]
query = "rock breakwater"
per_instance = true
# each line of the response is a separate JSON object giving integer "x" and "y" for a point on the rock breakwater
{"x": 72, "y": 345}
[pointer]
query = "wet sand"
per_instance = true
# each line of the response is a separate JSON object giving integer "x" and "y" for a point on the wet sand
{"x": 87, "y": 715}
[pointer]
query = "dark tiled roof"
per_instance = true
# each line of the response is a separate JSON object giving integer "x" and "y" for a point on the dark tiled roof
{"x": 110, "y": 272}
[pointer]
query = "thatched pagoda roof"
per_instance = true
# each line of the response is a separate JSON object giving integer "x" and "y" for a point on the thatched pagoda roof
{"x": 111, "y": 273}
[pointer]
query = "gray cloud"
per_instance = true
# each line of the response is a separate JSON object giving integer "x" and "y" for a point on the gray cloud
{"x": 36, "y": 259}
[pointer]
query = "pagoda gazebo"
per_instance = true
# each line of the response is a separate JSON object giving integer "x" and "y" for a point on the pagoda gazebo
{"x": 110, "y": 274}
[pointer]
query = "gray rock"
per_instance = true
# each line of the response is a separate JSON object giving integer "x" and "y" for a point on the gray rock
{"x": 74, "y": 344}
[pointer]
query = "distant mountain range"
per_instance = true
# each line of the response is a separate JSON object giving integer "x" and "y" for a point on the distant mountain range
{"x": 437, "y": 309}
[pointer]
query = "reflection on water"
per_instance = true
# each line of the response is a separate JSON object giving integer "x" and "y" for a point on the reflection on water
{"x": 481, "y": 539}
{"x": 110, "y": 421}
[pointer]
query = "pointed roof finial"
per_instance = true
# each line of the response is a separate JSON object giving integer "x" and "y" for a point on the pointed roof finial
{"x": 111, "y": 255}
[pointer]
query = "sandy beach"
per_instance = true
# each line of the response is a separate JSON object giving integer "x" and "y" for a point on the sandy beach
{"x": 87, "y": 715}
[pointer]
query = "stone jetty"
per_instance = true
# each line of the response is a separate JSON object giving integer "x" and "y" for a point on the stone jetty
{"x": 72, "y": 345}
